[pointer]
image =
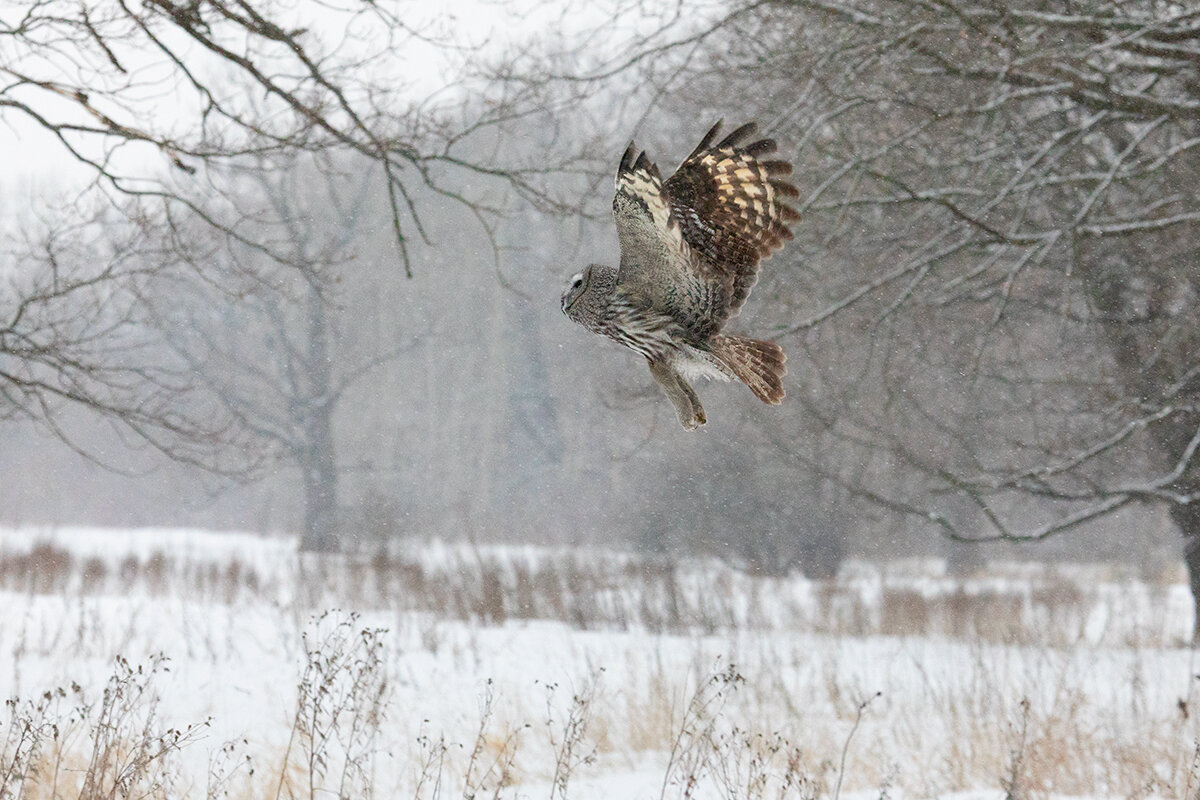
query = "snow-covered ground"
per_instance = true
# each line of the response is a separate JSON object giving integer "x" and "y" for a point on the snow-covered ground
{"x": 1078, "y": 684}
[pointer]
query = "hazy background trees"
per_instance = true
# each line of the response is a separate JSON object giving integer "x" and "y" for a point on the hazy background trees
{"x": 147, "y": 114}
{"x": 991, "y": 296}
{"x": 997, "y": 199}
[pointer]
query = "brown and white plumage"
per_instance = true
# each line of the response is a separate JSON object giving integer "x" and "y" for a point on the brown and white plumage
{"x": 690, "y": 250}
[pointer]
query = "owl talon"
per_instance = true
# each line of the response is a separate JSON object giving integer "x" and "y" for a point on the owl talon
{"x": 692, "y": 419}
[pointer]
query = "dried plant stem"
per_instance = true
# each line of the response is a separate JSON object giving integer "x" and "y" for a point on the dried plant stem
{"x": 858, "y": 715}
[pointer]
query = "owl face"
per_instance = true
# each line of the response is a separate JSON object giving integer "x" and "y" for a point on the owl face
{"x": 575, "y": 289}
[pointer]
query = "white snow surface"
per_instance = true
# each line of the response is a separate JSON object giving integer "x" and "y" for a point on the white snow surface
{"x": 945, "y": 723}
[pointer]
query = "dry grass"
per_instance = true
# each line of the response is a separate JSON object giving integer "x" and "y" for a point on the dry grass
{"x": 726, "y": 737}
{"x": 65, "y": 744}
{"x": 69, "y": 747}
{"x": 793, "y": 720}
{"x": 597, "y": 591}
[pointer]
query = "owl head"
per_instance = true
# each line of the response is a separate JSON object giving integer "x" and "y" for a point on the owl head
{"x": 588, "y": 294}
{"x": 576, "y": 288}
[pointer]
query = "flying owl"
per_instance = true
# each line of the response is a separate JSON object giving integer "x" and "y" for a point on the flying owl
{"x": 690, "y": 247}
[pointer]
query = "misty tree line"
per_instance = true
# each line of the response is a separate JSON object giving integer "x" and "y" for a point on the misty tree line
{"x": 989, "y": 306}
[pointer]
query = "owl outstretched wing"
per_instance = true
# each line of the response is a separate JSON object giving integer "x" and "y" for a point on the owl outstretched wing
{"x": 730, "y": 205}
{"x": 653, "y": 252}
{"x": 711, "y": 222}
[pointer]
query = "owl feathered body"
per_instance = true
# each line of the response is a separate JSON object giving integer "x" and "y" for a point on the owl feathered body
{"x": 690, "y": 249}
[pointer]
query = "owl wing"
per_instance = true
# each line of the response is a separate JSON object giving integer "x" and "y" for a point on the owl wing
{"x": 730, "y": 206}
{"x": 654, "y": 255}
{"x": 704, "y": 230}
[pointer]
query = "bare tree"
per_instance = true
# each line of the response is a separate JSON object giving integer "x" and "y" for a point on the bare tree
{"x": 282, "y": 356}
{"x": 997, "y": 284}
{"x": 156, "y": 104}
{"x": 75, "y": 332}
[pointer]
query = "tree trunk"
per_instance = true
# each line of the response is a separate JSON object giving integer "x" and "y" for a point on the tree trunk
{"x": 320, "y": 490}
{"x": 1152, "y": 346}
{"x": 1187, "y": 519}
{"x": 319, "y": 459}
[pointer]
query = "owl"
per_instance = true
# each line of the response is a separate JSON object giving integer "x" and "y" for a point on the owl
{"x": 690, "y": 247}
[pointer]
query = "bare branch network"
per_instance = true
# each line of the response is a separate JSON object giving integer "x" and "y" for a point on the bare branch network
{"x": 209, "y": 83}
{"x": 1015, "y": 178}
{"x": 167, "y": 110}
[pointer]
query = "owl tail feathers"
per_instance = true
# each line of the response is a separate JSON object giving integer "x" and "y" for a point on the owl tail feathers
{"x": 760, "y": 365}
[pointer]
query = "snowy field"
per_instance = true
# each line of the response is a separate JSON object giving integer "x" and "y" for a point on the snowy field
{"x": 235, "y": 668}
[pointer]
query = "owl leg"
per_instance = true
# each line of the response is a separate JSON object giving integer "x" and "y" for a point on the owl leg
{"x": 697, "y": 409}
{"x": 680, "y": 393}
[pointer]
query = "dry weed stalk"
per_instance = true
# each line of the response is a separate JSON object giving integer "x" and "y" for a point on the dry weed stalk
{"x": 490, "y": 766}
{"x": 740, "y": 764}
{"x": 754, "y": 766}
{"x": 691, "y": 748}
{"x": 1191, "y": 788}
{"x": 858, "y": 715}
{"x": 127, "y": 754}
{"x": 224, "y": 764}
{"x": 570, "y": 748}
{"x": 1013, "y": 782}
{"x": 31, "y": 725}
{"x": 747, "y": 766}
{"x": 339, "y": 708}
{"x": 432, "y": 767}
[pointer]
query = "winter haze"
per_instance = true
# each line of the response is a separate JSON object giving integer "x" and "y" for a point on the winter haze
{"x": 288, "y": 401}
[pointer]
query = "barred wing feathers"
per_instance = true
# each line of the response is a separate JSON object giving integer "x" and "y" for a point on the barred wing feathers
{"x": 710, "y": 223}
{"x": 652, "y": 248}
{"x": 730, "y": 206}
